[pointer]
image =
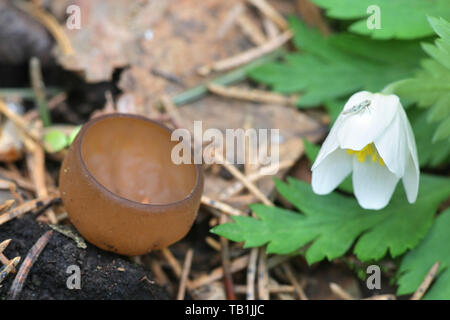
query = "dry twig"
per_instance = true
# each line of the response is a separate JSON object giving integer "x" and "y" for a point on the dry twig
{"x": 3, "y": 258}
{"x": 227, "y": 274}
{"x": 52, "y": 104}
{"x": 277, "y": 259}
{"x": 18, "y": 179}
{"x": 340, "y": 292}
{"x": 217, "y": 273}
{"x": 221, "y": 206}
{"x": 18, "y": 121}
{"x": 261, "y": 173}
{"x": 426, "y": 282}
{"x": 25, "y": 268}
{"x": 173, "y": 262}
{"x": 273, "y": 288}
{"x": 36, "y": 166}
{"x": 247, "y": 56}
{"x": 9, "y": 268}
{"x": 234, "y": 13}
{"x": 213, "y": 243}
{"x": 382, "y": 297}
{"x": 251, "y": 274}
{"x": 263, "y": 275}
{"x": 185, "y": 274}
{"x": 236, "y": 265}
{"x": 24, "y": 208}
{"x": 71, "y": 233}
{"x": 270, "y": 13}
{"x": 50, "y": 23}
{"x": 11, "y": 186}
{"x": 251, "y": 163}
{"x": 173, "y": 112}
{"x": 290, "y": 275}
{"x": 252, "y": 95}
{"x": 250, "y": 29}
{"x": 161, "y": 276}
{"x": 5, "y": 206}
{"x": 270, "y": 28}
{"x": 3, "y": 246}
{"x": 238, "y": 175}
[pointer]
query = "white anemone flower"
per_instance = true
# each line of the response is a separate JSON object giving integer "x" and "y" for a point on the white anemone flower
{"x": 372, "y": 138}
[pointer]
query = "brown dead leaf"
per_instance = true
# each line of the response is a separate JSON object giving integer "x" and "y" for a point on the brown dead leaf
{"x": 312, "y": 15}
{"x": 162, "y": 41}
{"x": 110, "y": 35}
{"x": 187, "y": 37}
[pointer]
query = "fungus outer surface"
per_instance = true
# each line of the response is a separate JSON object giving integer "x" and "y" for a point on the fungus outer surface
{"x": 121, "y": 189}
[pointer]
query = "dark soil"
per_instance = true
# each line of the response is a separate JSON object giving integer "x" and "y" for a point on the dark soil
{"x": 103, "y": 275}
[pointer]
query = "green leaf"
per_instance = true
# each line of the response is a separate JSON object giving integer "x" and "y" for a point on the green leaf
{"x": 418, "y": 262}
{"x": 430, "y": 153}
{"x": 334, "y": 108}
{"x": 311, "y": 150}
{"x": 55, "y": 140}
{"x": 331, "y": 224}
{"x": 430, "y": 88}
{"x": 73, "y": 134}
{"x": 337, "y": 66}
{"x": 402, "y": 19}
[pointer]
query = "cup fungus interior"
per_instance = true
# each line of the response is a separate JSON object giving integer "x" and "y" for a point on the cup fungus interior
{"x": 131, "y": 157}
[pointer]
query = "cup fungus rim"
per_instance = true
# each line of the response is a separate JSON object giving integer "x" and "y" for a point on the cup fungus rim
{"x": 80, "y": 137}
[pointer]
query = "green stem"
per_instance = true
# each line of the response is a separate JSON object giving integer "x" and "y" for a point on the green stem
{"x": 226, "y": 79}
{"x": 27, "y": 93}
{"x": 39, "y": 91}
{"x": 392, "y": 87}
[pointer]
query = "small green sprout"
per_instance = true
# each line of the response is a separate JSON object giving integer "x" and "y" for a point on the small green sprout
{"x": 56, "y": 140}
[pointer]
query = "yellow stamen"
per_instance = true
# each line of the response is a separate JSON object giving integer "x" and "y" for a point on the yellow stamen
{"x": 368, "y": 150}
{"x": 361, "y": 156}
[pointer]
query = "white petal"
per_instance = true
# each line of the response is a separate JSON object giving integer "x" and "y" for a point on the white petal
{"x": 411, "y": 180}
{"x": 328, "y": 146}
{"x": 373, "y": 184}
{"x": 393, "y": 146}
{"x": 331, "y": 171}
{"x": 411, "y": 176}
{"x": 359, "y": 129}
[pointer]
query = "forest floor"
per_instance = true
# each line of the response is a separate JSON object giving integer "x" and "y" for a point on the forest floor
{"x": 139, "y": 62}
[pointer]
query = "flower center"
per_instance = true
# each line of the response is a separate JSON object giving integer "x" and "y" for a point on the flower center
{"x": 368, "y": 151}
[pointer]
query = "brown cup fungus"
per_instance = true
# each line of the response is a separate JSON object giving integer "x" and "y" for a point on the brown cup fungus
{"x": 121, "y": 189}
